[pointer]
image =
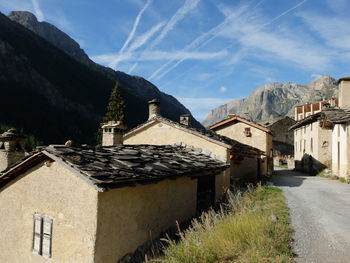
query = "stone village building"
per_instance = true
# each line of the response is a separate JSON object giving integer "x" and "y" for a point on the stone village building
{"x": 251, "y": 134}
{"x": 323, "y": 135}
{"x": 312, "y": 143}
{"x": 94, "y": 205}
{"x": 157, "y": 130}
{"x": 283, "y": 138}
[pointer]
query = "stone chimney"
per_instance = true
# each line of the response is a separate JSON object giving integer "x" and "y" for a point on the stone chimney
{"x": 112, "y": 133}
{"x": 344, "y": 92}
{"x": 11, "y": 148}
{"x": 185, "y": 119}
{"x": 153, "y": 108}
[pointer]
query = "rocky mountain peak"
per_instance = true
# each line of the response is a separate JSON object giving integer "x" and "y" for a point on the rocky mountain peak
{"x": 24, "y": 17}
{"x": 275, "y": 100}
{"x": 51, "y": 33}
{"x": 323, "y": 82}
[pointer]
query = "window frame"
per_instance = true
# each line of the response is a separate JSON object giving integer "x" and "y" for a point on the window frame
{"x": 42, "y": 235}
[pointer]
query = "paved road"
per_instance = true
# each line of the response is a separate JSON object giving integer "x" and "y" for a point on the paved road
{"x": 320, "y": 212}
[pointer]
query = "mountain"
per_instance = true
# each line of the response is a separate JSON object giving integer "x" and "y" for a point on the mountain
{"x": 171, "y": 107}
{"x": 275, "y": 100}
{"x": 51, "y": 95}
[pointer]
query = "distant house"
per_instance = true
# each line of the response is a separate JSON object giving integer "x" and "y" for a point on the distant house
{"x": 81, "y": 204}
{"x": 283, "y": 138}
{"x": 249, "y": 133}
{"x": 244, "y": 159}
{"x": 312, "y": 140}
{"x": 334, "y": 123}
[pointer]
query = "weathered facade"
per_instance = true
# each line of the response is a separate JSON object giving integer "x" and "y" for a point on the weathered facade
{"x": 86, "y": 205}
{"x": 283, "y": 138}
{"x": 161, "y": 131}
{"x": 312, "y": 140}
{"x": 340, "y": 122}
{"x": 251, "y": 134}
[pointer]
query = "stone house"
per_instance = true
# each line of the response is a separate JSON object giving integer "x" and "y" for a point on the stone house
{"x": 335, "y": 123}
{"x": 283, "y": 138}
{"x": 312, "y": 141}
{"x": 82, "y": 205}
{"x": 249, "y": 133}
{"x": 244, "y": 159}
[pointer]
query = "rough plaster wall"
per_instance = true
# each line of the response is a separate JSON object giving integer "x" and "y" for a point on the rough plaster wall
{"x": 245, "y": 171}
{"x": 235, "y": 131}
{"x": 130, "y": 216}
{"x": 222, "y": 184}
{"x": 340, "y": 135}
{"x": 56, "y": 192}
{"x": 344, "y": 94}
{"x": 163, "y": 134}
{"x": 324, "y": 153}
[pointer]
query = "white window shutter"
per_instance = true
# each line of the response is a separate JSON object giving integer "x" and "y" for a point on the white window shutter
{"x": 47, "y": 237}
{"x": 37, "y": 234}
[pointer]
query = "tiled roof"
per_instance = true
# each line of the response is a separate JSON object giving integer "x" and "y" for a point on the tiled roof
{"x": 118, "y": 166}
{"x": 332, "y": 116}
{"x": 234, "y": 146}
{"x": 239, "y": 119}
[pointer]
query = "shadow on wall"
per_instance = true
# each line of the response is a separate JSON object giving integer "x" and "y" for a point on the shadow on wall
{"x": 309, "y": 165}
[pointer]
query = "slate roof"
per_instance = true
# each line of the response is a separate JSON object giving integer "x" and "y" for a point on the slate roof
{"x": 331, "y": 116}
{"x": 234, "y": 146}
{"x": 125, "y": 165}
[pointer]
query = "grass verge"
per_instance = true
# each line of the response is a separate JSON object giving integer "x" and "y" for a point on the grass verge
{"x": 254, "y": 227}
{"x": 332, "y": 177}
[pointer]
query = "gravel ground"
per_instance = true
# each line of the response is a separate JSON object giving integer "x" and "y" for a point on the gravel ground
{"x": 320, "y": 213}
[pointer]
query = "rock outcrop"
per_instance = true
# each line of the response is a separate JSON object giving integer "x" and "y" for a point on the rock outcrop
{"x": 275, "y": 100}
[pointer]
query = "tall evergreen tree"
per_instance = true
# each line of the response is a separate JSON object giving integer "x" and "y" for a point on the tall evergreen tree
{"x": 116, "y": 106}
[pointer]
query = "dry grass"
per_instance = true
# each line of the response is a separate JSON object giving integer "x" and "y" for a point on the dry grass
{"x": 254, "y": 227}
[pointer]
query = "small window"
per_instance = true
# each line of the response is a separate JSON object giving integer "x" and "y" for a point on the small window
{"x": 311, "y": 145}
{"x": 42, "y": 236}
{"x": 106, "y": 130}
{"x": 247, "y": 132}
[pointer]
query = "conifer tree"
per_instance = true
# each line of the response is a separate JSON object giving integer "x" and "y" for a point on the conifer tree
{"x": 116, "y": 106}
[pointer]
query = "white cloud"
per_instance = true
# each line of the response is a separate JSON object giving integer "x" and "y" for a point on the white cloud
{"x": 223, "y": 89}
{"x": 269, "y": 80}
{"x": 178, "y": 16}
{"x": 205, "y": 76}
{"x": 37, "y": 10}
{"x": 144, "y": 38}
{"x": 338, "y": 5}
{"x": 334, "y": 30}
{"x": 198, "y": 42}
{"x": 281, "y": 44}
{"x": 157, "y": 55}
{"x": 114, "y": 63}
{"x": 315, "y": 76}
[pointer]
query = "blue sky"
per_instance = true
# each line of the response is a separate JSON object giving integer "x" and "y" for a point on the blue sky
{"x": 206, "y": 52}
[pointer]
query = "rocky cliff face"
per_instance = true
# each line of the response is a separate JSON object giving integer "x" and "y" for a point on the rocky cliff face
{"x": 275, "y": 100}
{"x": 171, "y": 107}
